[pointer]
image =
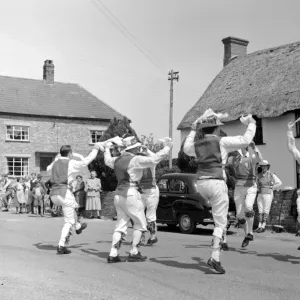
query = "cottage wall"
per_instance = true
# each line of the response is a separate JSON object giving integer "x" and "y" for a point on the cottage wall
{"x": 46, "y": 135}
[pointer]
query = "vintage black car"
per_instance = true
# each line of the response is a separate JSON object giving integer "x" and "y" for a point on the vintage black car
{"x": 180, "y": 203}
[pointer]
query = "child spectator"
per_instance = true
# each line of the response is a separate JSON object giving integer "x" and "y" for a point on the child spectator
{"x": 38, "y": 195}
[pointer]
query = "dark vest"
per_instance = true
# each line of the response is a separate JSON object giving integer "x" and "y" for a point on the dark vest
{"x": 245, "y": 172}
{"x": 209, "y": 158}
{"x": 59, "y": 177}
{"x": 265, "y": 183}
{"x": 147, "y": 181}
{"x": 120, "y": 168}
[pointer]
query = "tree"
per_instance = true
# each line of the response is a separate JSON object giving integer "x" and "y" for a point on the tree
{"x": 149, "y": 141}
{"x": 116, "y": 127}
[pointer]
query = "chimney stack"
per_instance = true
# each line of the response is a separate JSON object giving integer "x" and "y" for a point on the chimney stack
{"x": 234, "y": 47}
{"x": 48, "y": 72}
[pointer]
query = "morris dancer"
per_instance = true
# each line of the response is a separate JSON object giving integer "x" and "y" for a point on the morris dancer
{"x": 150, "y": 196}
{"x": 246, "y": 188}
{"x": 292, "y": 148}
{"x": 63, "y": 171}
{"x": 266, "y": 183}
{"x": 211, "y": 153}
{"x": 128, "y": 202}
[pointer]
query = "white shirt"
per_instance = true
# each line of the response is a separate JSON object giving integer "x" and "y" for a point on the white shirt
{"x": 138, "y": 163}
{"x": 227, "y": 143}
{"x": 292, "y": 146}
{"x": 76, "y": 166}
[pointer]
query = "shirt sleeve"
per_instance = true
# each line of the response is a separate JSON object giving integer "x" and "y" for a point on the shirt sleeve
{"x": 77, "y": 165}
{"x": 189, "y": 144}
{"x": 142, "y": 162}
{"x": 231, "y": 143}
{"x": 292, "y": 145}
{"x": 108, "y": 159}
{"x": 7, "y": 184}
{"x": 277, "y": 182}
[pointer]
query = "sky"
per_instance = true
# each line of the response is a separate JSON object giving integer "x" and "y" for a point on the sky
{"x": 123, "y": 51}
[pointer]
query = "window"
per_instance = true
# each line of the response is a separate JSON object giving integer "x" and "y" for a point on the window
{"x": 17, "y": 133}
{"x": 96, "y": 135}
{"x": 17, "y": 166}
{"x": 177, "y": 186}
{"x": 163, "y": 185}
{"x": 297, "y": 126}
{"x": 258, "y": 138}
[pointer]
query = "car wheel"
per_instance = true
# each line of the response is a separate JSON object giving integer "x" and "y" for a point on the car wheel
{"x": 186, "y": 223}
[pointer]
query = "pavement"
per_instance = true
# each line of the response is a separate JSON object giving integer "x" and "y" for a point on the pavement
{"x": 176, "y": 266}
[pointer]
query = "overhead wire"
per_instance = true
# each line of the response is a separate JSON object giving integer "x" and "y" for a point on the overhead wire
{"x": 116, "y": 22}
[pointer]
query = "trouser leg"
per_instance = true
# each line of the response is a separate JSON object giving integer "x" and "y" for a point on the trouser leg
{"x": 249, "y": 212}
{"x": 260, "y": 210}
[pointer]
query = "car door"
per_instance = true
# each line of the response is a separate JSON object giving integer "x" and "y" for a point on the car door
{"x": 170, "y": 191}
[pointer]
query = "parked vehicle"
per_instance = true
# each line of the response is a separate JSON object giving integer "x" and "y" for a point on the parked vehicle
{"x": 180, "y": 203}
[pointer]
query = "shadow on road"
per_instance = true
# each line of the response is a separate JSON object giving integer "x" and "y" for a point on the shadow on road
{"x": 52, "y": 247}
{"x": 99, "y": 254}
{"x": 199, "y": 230}
{"x": 200, "y": 265}
{"x": 277, "y": 256}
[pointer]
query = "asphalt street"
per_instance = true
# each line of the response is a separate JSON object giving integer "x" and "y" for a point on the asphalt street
{"x": 175, "y": 269}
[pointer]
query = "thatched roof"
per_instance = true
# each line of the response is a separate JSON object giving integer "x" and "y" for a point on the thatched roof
{"x": 264, "y": 83}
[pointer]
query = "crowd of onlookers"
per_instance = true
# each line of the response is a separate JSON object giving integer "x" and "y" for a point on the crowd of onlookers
{"x": 32, "y": 195}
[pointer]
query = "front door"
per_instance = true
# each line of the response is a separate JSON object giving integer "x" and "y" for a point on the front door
{"x": 45, "y": 161}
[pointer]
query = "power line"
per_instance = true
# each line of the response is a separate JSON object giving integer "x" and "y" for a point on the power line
{"x": 107, "y": 13}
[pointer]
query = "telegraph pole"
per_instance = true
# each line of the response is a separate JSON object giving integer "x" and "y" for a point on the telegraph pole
{"x": 172, "y": 76}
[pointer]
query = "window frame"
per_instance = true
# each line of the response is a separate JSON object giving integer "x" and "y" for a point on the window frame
{"x": 91, "y": 135}
{"x": 21, "y": 130}
{"x": 259, "y": 131}
{"x": 22, "y": 160}
{"x": 185, "y": 191}
{"x": 167, "y": 185}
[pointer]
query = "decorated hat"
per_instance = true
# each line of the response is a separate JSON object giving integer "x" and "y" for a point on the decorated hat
{"x": 264, "y": 163}
{"x": 130, "y": 143}
{"x": 39, "y": 176}
{"x": 210, "y": 119}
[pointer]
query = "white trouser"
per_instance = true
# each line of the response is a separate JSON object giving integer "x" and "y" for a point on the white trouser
{"x": 264, "y": 202}
{"x": 216, "y": 192}
{"x": 130, "y": 207}
{"x": 244, "y": 198}
{"x": 68, "y": 205}
{"x": 151, "y": 197}
{"x": 298, "y": 208}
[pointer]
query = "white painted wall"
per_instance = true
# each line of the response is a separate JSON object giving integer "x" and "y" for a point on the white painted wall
{"x": 275, "y": 149}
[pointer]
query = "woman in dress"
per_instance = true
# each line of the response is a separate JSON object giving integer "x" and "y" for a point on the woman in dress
{"x": 80, "y": 194}
{"x": 26, "y": 185}
{"x": 93, "y": 188}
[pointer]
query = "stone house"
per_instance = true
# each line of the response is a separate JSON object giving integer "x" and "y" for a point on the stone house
{"x": 266, "y": 84}
{"x": 37, "y": 117}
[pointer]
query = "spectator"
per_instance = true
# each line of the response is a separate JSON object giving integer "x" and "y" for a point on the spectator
{"x": 93, "y": 188}
{"x": 20, "y": 195}
{"x": 8, "y": 190}
{"x": 32, "y": 182}
{"x": 26, "y": 185}
{"x": 80, "y": 194}
{"x": 38, "y": 193}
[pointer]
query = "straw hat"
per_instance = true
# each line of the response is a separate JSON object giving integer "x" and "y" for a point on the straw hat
{"x": 264, "y": 163}
{"x": 210, "y": 119}
{"x": 130, "y": 143}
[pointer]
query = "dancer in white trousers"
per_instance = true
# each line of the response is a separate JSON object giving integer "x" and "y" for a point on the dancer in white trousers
{"x": 266, "y": 183}
{"x": 212, "y": 153}
{"x": 246, "y": 188}
{"x": 64, "y": 170}
{"x": 293, "y": 149}
{"x": 128, "y": 202}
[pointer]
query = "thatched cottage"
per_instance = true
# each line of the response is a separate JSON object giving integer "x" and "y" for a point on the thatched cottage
{"x": 266, "y": 84}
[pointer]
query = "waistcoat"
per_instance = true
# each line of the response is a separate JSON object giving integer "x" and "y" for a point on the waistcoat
{"x": 59, "y": 178}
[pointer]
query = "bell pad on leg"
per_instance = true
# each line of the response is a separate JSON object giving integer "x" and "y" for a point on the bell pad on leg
{"x": 119, "y": 243}
{"x": 249, "y": 214}
{"x": 151, "y": 226}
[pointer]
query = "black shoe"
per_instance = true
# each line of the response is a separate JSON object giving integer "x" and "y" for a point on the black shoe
{"x": 249, "y": 237}
{"x": 224, "y": 247}
{"x": 136, "y": 257}
{"x": 83, "y": 226}
{"x": 98, "y": 217}
{"x": 260, "y": 230}
{"x": 299, "y": 248}
{"x": 63, "y": 250}
{"x": 216, "y": 265}
{"x": 151, "y": 242}
{"x": 115, "y": 259}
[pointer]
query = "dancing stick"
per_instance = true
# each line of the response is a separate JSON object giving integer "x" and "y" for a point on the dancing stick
{"x": 296, "y": 121}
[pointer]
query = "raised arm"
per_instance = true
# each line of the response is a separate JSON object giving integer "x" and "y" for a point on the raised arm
{"x": 188, "y": 147}
{"x": 77, "y": 165}
{"x": 108, "y": 159}
{"x": 291, "y": 143}
{"x": 232, "y": 143}
{"x": 277, "y": 182}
